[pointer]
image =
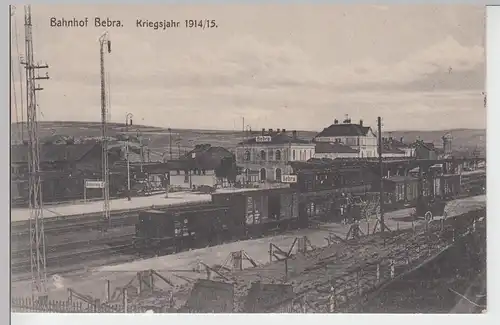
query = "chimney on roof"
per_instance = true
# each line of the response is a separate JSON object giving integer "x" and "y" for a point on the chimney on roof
{"x": 335, "y": 121}
{"x": 283, "y": 130}
{"x": 390, "y": 136}
{"x": 294, "y": 134}
{"x": 263, "y": 131}
{"x": 270, "y": 131}
{"x": 361, "y": 122}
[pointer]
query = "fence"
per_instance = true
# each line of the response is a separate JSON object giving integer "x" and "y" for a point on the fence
{"x": 23, "y": 305}
{"x": 344, "y": 292}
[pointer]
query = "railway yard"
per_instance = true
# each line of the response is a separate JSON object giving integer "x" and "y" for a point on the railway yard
{"x": 82, "y": 259}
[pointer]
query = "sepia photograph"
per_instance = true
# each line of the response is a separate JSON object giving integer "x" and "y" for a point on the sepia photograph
{"x": 248, "y": 158}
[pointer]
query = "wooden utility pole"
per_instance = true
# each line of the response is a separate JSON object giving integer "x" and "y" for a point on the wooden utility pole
{"x": 103, "y": 40}
{"x": 381, "y": 165}
{"x": 170, "y": 142}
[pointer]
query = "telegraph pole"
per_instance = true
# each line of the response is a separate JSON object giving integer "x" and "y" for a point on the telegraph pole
{"x": 37, "y": 235}
{"x": 170, "y": 142}
{"x": 381, "y": 165}
{"x": 104, "y": 127}
{"x": 127, "y": 143}
{"x": 139, "y": 136}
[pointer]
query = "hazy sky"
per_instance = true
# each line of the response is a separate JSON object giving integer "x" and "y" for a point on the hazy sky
{"x": 287, "y": 66}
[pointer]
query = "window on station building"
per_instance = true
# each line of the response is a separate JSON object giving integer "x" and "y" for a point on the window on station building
{"x": 246, "y": 155}
{"x": 293, "y": 154}
{"x": 262, "y": 155}
{"x": 263, "y": 174}
{"x": 278, "y": 155}
{"x": 278, "y": 174}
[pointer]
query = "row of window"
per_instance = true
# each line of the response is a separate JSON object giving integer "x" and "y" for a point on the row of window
{"x": 263, "y": 174}
{"x": 277, "y": 155}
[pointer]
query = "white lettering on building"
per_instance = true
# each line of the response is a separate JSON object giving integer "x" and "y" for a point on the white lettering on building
{"x": 289, "y": 178}
{"x": 263, "y": 138}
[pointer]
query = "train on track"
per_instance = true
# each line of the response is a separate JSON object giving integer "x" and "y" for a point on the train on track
{"x": 321, "y": 194}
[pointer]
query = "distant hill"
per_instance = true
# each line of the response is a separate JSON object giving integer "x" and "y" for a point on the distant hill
{"x": 463, "y": 139}
{"x": 158, "y": 139}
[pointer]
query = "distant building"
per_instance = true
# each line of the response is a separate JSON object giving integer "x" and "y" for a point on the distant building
{"x": 357, "y": 136}
{"x": 198, "y": 167}
{"x": 335, "y": 150}
{"x": 425, "y": 150}
{"x": 265, "y": 156}
{"x": 392, "y": 147}
{"x": 447, "y": 145}
{"x": 64, "y": 169}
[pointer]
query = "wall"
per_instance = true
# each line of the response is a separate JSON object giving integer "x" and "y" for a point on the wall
{"x": 184, "y": 180}
{"x": 336, "y": 155}
{"x": 392, "y": 155}
{"x": 353, "y": 141}
{"x": 270, "y": 171}
{"x": 292, "y": 152}
{"x": 367, "y": 145}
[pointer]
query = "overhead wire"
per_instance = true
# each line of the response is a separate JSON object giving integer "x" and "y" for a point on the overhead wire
{"x": 13, "y": 88}
{"x": 16, "y": 38}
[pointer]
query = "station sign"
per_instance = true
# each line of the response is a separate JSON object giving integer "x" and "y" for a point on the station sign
{"x": 289, "y": 178}
{"x": 263, "y": 138}
{"x": 94, "y": 184}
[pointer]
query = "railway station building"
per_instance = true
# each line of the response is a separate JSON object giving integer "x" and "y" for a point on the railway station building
{"x": 265, "y": 157}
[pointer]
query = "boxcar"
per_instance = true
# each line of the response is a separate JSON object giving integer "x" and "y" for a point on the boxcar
{"x": 260, "y": 212}
{"x": 399, "y": 191}
{"x": 179, "y": 229}
{"x": 448, "y": 186}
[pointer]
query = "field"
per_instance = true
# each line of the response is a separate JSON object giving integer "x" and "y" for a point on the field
{"x": 158, "y": 139}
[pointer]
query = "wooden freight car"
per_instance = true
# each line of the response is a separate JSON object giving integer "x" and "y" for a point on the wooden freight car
{"x": 261, "y": 212}
{"x": 447, "y": 186}
{"x": 182, "y": 228}
{"x": 400, "y": 191}
{"x": 323, "y": 178}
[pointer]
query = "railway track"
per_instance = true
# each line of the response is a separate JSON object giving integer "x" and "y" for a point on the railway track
{"x": 87, "y": 222}
{"x": 75, "y": 245}
{"x": 119, "y": 218}
{"x": 71, "y": 262}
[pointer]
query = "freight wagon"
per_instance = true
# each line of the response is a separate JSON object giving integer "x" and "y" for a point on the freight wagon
{"x": 262, "y": 212}
{"x": 230, "y": 217}
{"x": 321, "y": 194}
{"x": 473, "y": 182}
{"x": 182, "y": 228}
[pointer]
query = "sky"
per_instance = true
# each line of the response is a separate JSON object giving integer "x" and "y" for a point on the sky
{"x": 419, "y": 67}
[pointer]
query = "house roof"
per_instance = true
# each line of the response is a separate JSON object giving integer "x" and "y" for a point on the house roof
{"x": 389, "y": 149}
{"x": 395, "y": 143}
{"x": 399, "y": 179}
{"x": 211, "y": 297}
{"x": 426, "y": 145}
{"x": 203, "y": 156}
{"x": 340, "y": 130}
{"x": 323, "y": 147}
{"x": 263, "y": 296}
{"x": 276, "y": 138}
{"x": 52, "y": 152}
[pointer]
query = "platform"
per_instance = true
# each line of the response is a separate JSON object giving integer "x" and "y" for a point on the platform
{"x": 146, "y": 202}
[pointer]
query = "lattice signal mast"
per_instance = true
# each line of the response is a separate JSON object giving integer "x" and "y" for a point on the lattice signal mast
{"x": 37, "y": 236}
{"x": 104, "y": 40}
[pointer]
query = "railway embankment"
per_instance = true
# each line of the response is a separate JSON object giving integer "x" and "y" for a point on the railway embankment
{"x": 453, "y": 281}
